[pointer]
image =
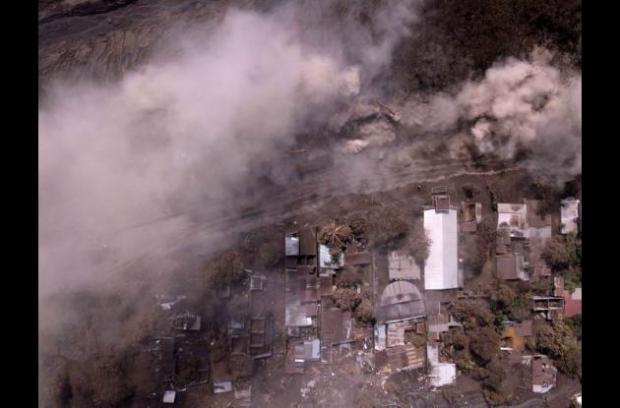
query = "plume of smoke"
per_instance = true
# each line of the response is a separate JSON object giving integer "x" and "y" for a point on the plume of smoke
{"x": 528, "y": 105}
{"x": 182, "y": 134}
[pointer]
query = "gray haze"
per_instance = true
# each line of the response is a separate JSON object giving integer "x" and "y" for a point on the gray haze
{"x": 184, "y": 130}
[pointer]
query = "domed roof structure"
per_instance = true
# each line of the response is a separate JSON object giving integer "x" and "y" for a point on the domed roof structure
{"x": 400, "y": 300}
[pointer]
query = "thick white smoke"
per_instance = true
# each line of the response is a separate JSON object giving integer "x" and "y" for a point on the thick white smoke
{"x": 183, "y": 132}
{"x": 531, "y": 105}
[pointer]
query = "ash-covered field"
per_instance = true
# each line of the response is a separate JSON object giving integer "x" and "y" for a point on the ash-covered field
{"x": 173, "y": 134}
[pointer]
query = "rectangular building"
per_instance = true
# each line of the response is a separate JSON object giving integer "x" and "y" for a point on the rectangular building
{"x": 441, "y": 268}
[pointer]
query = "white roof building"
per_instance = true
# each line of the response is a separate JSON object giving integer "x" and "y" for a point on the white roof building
{"x": 570, "y": 215}
{"x": 441, "y": 268}
{"x": 169, "y": 397}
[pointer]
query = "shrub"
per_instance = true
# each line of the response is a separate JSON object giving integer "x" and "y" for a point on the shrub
{"x": 387, "y": 225}
{"x": 473, "y": 313}
{"x": 270, "y": 254}
{"x": 558, "y": 341}
{"x": 335, "y": 236}
{"x": 483, "y": 344}
{"x": 225, "y": 270}
{"x": 359, "y": 227}
{"x": 562, "y": 252}
{"x": 349, "y": 277}
{"x": 475, "y": 252}
{"x": 456, "y": 338}
{"x": 364, "y": 312}
{"x": 346, "y": 298}
{"x": 419, "y": 243}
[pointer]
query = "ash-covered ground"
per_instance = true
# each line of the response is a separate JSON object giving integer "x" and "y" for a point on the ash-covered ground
{"x": 173, "y": 132}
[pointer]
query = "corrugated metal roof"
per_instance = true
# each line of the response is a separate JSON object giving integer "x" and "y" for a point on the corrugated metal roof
{"x": 402, "y": 266}
{"x": 291, "y": 245}
{"x": 312, "y": 350}
{"x": 307, "y": 242}
{"x": 400, "y": 300}
{"x": 441, "y": 268}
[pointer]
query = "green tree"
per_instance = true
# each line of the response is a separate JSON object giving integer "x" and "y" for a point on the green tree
{"x": 387, "y": 226}
{"x": 562, "y": 252}
{"x": 484, "y": 344}
{"x": 558, "y": 341}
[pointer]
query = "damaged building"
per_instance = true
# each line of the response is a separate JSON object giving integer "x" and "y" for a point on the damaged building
{"x": 472, "y": 215}
{"x": 522, "y": 232}
{"x": 544, "y": 374}
{"x": 515, "y": 335}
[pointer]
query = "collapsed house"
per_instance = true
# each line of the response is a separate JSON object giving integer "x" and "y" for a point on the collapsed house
{"x": 310, "y": 269}
{"x": 523, "y": 219}
{"x": 163, "y": 356}
{"x": 301, "y": 283}
{"x": 549, "y": 307}
{"x": 406, "y": 357}
{"x": 521, "y": 235}
{"x": 511, "y": 266}
{"x": 544, "y": 374}
{"x": 472, "y": 215}
{"x": 187, "y": 321}
{"x": 439, "y": 323}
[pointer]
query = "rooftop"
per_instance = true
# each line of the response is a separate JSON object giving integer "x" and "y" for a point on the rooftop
{"x": 441, "y": 268}
{"x": 400, "y": 300}
{"x": 291, "y": 244}
{"x": 572, "y": 303}
{"x": 406, "y": 357}
{"x": 402, "y": 266}
{"x": 511, "y": 267}
{"x": 307, "y": 242}
{"x": 336, "y": 325}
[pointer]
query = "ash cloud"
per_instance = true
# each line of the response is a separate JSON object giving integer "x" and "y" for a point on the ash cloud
{"x": 124, "y": 167}
{"x": 528, "y": 107}
{"x": 184, "y": 130}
